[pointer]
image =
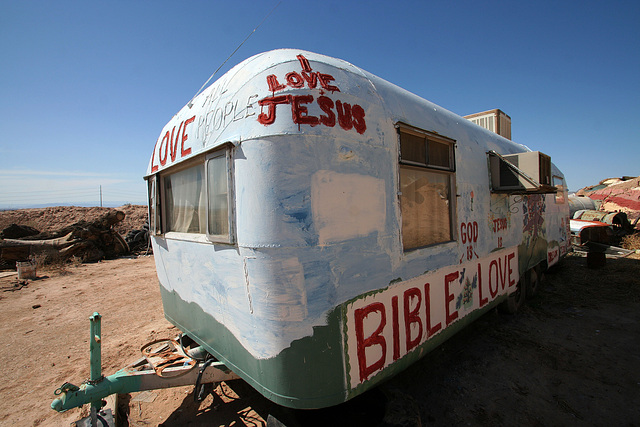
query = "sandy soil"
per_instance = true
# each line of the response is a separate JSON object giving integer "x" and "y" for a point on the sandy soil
{"x": 46, "y": 329}
{"x": 570, "y": 357}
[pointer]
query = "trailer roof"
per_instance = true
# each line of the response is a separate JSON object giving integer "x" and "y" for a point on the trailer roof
{"x": 247, "y": 103}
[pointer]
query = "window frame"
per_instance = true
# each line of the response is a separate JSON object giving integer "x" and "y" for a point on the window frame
{"x": 434, "y": 137}
{"x": 164, "y": 174}
{"x": 154, "y": 206}
{"x": 560, "y": 196}
{"x": 449, "y": 171}
{"x": 229, "y": 238}
{"x": 202, "y": 161}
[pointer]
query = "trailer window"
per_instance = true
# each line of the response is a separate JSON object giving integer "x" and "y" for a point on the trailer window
{"x": 154, "y": 205}
{"x": 422, "y": 148}
{"x": 427, "y": 174}
{"x": 196, "y": 198}
{"x": 185, "y": 201}
{"x": 218, "y": 190}
{"x": 558, "y": 182}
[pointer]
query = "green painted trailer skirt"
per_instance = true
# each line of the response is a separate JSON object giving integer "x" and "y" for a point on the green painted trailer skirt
{"x": 312, "y": 372}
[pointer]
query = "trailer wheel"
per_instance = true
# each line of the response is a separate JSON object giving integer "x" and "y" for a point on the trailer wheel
{"x": 533, "y": 278}
{"x": 515, "y": 300}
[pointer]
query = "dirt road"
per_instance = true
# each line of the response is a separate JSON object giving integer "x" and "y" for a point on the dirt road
{"x": 570, "y": 357}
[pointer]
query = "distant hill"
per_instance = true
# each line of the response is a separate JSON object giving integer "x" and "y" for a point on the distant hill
{"x": 114, "y": 204}
{"x": 56, "y": 217}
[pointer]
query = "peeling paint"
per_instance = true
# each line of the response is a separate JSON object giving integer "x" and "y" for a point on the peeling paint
{"x": 345, "y": 206}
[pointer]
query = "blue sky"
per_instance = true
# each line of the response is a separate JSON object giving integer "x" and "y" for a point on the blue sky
{"x": 86, "y": 86}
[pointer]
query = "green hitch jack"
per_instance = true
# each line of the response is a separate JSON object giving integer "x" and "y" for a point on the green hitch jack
{"x": 95, "y": 348}
{"x": 68, "y": 390}
{"x": 95, "y": 362}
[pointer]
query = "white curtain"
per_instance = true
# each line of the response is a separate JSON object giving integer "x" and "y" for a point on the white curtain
{"x": 186, "y": 201}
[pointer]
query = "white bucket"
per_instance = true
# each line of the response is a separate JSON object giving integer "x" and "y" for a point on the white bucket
{"x": 26, "y": 270}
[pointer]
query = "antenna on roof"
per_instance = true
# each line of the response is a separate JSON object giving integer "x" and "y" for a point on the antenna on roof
{"x": 190, "y": 104}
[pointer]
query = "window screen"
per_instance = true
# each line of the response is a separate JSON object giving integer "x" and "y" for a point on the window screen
{"x": 426, "y": 150}
{"x": 425, "y": 206}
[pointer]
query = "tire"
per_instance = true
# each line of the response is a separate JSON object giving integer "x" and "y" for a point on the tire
{"x": 514, "y": 301}
{"x": 533, "y": 279}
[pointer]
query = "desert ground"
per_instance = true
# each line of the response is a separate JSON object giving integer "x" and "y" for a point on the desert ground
{"x": 571, "y": 356}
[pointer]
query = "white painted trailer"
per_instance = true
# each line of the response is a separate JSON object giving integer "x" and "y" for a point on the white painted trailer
{"x": 318, "y": 229}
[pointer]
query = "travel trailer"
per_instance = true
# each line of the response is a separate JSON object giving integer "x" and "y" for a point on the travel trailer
{"x": 318, "y": 229}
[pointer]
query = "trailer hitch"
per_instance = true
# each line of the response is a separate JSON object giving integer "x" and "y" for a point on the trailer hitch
{"x": 65, "y": 388}
{"x": 165, "y": 364}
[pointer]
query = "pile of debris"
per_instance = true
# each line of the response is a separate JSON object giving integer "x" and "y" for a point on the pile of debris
{"x": 88, "y": 241}
{"x": 138, "y": 240}
{"x": 617, "y": 195}
{"x": 606, "y": 216}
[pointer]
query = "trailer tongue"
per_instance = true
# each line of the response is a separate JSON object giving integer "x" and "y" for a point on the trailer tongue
{"x": 165, "y": 364}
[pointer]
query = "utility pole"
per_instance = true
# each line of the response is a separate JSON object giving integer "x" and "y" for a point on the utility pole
{"x": 101, "y": 196}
